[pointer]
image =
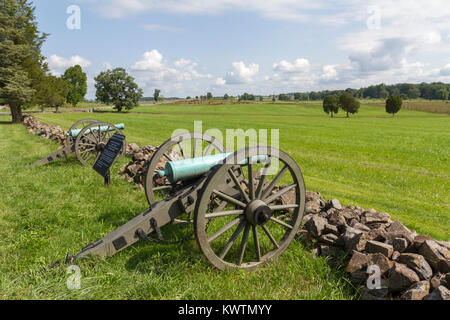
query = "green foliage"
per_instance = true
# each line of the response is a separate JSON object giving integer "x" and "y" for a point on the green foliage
{"x": 77, "y": 84}
{"x": 348, "y": 103}
{"x": 117, "y": 87}
{"x": 393, "y": 104}
{"x": 247, "y": 97}
{"x": 21, "y": 62}
{"x": 226, "y": 96}
{"x": 156, "y": 94}
{"x": 209, "y": 96}
{"x": 283, "y": 97}
{"x": 53, "y": 92}
{"x": 331, "y": 104}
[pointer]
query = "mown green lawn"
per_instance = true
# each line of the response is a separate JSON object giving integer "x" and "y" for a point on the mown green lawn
{"x": 48, "y": 211}
{"x": 398, "y": 165}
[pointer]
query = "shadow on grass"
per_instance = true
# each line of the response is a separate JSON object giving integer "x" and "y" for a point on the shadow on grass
{"x": 162, "y": 258}
{"x": 5, "y": 122}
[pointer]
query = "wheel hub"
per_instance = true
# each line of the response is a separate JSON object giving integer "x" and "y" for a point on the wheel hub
{"x": 100, "y": 147}
{"x": 258, "y": 213}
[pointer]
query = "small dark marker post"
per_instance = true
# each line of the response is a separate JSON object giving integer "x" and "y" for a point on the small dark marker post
{"x": 108, "y": 178}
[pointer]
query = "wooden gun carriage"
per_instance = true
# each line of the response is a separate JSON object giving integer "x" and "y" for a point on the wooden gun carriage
{"x": 86, "y": 139}
{"x": 232, "y": 199}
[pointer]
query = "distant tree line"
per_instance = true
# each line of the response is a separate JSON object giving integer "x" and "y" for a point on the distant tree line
{"x": 430, "y": 91}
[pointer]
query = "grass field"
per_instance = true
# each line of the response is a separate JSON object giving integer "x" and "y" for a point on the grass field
{"x": 399, "y": 165}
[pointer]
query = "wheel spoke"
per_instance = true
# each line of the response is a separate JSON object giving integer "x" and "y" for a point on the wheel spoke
{"x": 274, "y": 182}
{"x": 256, "y": 241}
{"x": 278, "y": 194}
{"x": 232, "y": 239}
{"x": 283, "y": 206}
{"x": 208, "y": 149}
{"x": 225, "y": 228}
{"x": 238, "y": 185}
{"x": 243, "y": 244}
{"x": 195, "y": 148}
{"x": 162, "y": 188}
{"x": 181, "y": 149}
{"x": 272, "y": 239}
{"x": 223, "y": 213}
{"x": 168, "y": 157}
{"x": 284, "y": 224}
{"x": 229, "y": 198}
{"x": 250, "y": 180}
{"x": 261, "y": 181}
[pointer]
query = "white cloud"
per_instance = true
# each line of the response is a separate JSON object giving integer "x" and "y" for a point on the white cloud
{"x": 445, "y": 71}
{"x": 299, "y": 66}
{"x": 329, "y": 72}
{"x": 151, "y": 61}
{"x": 152, "y": 70}
{"x": 220, "y": 81}
{"x": 160, "y": 27}
{"x": 299, "y": 10}
{"x": 241, "y": 73}
{"x": 57, "y": 62}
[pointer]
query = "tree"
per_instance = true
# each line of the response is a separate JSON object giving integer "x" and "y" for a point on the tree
{"x": 77, "y": 84}
{"x": 156, "y": 95}
{"x": 413, "y": 93}
{"x": 331, "y": 104}
{"x": 117, "y": 87}
{"x": 348, "y": 103}
{"x": 226, "y": 96}
{"x": 209, "y": 96}
{"x": 393, "y": 104}
{"x": 21, "y": 61}
{"x": 53, "y": 92}
{"x": 283, "y": 97}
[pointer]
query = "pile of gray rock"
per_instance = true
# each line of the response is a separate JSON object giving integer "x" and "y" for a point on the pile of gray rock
{"x": 34, "y": 126}
{"x": 410, "y": 266}
{"x": 136, "y": 170}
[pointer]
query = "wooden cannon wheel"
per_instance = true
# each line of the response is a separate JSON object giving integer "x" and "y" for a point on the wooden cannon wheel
{"x": 253, "y": 228}
{"x": 183, "y": 146}
{"x": 80, "y": 124}
{"x": 91, "y": 141}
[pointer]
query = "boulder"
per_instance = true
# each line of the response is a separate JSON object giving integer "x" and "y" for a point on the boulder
{"x": 435, "y": 281}
{"x": 354, "y": 239}
{"x": 419, "y": 240}
{"x": 417, "y": 292}
{"x": 395, "y": 255}
{"x": 336, "y": 218}
{"x": 316, "y": 225}
{"x": 433, "y": 253}
{"x": 399, "y": 244}
{"x": 329, "y": 228}
{"x": 379, "y": 247}
{"x": 312, "y": 207}
{"x": 381, "y": 261}
{"x": 350, "y": 214}
{"x": 330, "y": 239}
{"x": 357, "y": 262}
{"x": 333, "y": 203}
{"x": 417, "y": 263}
{"x": 398, "y": 230}
{"x": 401, "y": 278}
{"x": 440, "y": 293}
{"x": 373, "y": 294}
{"x": 370, "y": 217}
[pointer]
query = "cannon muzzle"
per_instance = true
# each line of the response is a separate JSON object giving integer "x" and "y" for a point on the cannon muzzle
{"x": 187, "y": 169}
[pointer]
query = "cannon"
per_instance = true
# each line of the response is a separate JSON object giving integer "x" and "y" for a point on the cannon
{"x": 86, "y": 139}
{"x": 232, "y": 199}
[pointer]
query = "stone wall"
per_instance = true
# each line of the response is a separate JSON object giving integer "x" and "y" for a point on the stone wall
{"x": 34, "y": 126}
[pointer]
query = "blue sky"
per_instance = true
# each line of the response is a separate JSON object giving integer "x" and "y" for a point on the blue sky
{"x": 189, "y": 47}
